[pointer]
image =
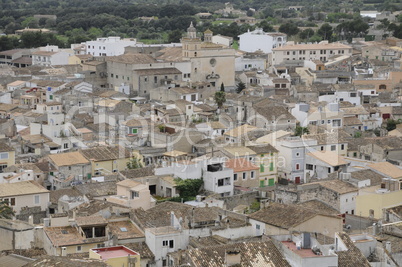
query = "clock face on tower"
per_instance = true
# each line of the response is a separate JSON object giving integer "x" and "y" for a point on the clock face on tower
{"x": 212, "y": 62}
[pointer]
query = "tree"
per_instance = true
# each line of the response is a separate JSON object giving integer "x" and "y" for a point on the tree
{"x": 220, "y": 98}
{"x": 266, "y": 26}
{"x": 240, "y": 87}
{"x": 325, "y": 31}
{"x": 188, "y": 188}
{"x": 391, "y": 124}
{"x": 222, "y": 87}
{"x": 299, "y": 131}
{"x": 289, "y": 28}
{"x": 306, "y": 34}
{"x": 6, "y": 211}
{"x": 175, "y": 36}
{"x": 134, "y": 163}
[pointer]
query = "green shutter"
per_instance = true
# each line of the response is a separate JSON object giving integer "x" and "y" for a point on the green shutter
{"x": 262, "y": 183}
{"x": 271, "y": 182}
{"x": 261, "y": 167}
{"x": 271, "y": 167}
{"x": 89, "y": 176}
{"x": 134, "y": 131}
{"x": 50, "y": 97}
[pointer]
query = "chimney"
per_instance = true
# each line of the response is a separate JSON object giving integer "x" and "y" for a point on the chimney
{"x": 30, "y": 219}
{"x": 232, "y": 257}
{"x": 172, "y": 218}
{"x": 388, "y": 246}
{"x": 63, "y": 251}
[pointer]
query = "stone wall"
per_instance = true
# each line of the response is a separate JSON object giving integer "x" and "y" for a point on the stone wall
{"x": 241, "y": 199}
{"x": 305, "y": 193}
{"x": 36, "y": 213}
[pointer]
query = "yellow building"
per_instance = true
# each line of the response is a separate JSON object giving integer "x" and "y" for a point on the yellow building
{"x": 7, "y": 156}
{"x": 266, "y": 158}
{"x": 210, "y": 62}
{"x": 116, "y": 256}
{"x": 372, "y": 200}
{"x": 108, "y": 159}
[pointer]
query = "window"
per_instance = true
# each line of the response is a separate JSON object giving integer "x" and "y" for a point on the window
{"x": 297, "y": 154}
{"x": 333, "y": 147}
{"x": 171, "y": 244}
{"x": 329, "y": 170}
{"x": 382, "y": 87}
{"x": 79, "y": 248}
{"x": 12, "y": 201}
{"x": 309, "y": 167}
{"x": 51, "y": 97}
{"x": 134, "y": 131}
{"x": 342, "y": 147}
{"x": 322, "y": 148}
{"x": 65, "y": 146}
{"x": 262, "y": 167}
{"x": 297, "y": 166}
{"x": 235, "y": 177}
{"x": 271, "y": 166}
{"x": 36, "y": 199}
{"x": 134, "y": 194}
{"x": 155, "y": 79}
{"x": 4, "y": 155}
{"x": 252, "y": 175}
{"x": 244, "y": 176}
{"x": 257, "y": 226}
{"x": 165, "y": 243}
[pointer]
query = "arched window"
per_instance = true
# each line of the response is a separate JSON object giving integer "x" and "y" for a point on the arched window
{"x": 383, "y": 87}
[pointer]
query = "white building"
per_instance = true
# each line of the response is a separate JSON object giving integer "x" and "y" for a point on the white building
{"x": 51, "y": 55}
{"x": 293, "y": 151}
{"x": 217, "y": 178}
{"x": 110, "y": 46}
{"x": 260, "y": 40}
{"x": 320, "y": 51}
{"x": 329, "y": 116}
{"x": 339, "y": 96}
{"x": 223, "y": 40}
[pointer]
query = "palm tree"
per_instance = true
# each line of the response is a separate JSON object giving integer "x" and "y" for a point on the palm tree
{"x": 220, "y": 98}
{"x": 6, "y": 212}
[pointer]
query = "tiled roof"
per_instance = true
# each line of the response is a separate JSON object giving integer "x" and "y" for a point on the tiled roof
{"x": 283, "y": 216}
{"x": 159, "y": 216}
{"x": 21, "y": 188}
{"x": 66, "y": 262}
{"x": 97, "y": 189}
{"x": 241, "y": 130}
{"x": 375, "y": 178}
{"x": 160, "y": 71}
{"x": 240, "y": 164}
{"x": 238, "y": 151}
{"x": 125, "y": 230}
{"x": 312, "y": 46}
{"x": 338, "y": 186}
{"x": 5, "y": 147}
{"x": 55, "y": 195}
{"x": 252, "y": 254}
{"x": 142, "y": 248}
{"x": 352, "y": 257}
{"x": 172, "y": 54}
{"x": 105, "y": 153}
{"x": 14, "y": 260}
{"x": 95, "y": 206}
{"x": 91, "y": 220}
{"x": 128, "y": 183}
{"x": 328, "y": 157}
{"x": 68, "y": 159}
{"x": 318, "y": 206}
{"x": 134, "y": 58}
{"x": 351, "y": 121}
{"x": 137, "y": 173}
{"x": 263, "y": 149}
{"x": 387, "y": 169}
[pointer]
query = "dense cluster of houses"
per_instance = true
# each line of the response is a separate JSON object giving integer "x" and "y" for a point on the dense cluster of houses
{"x": 302, "y": 167}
